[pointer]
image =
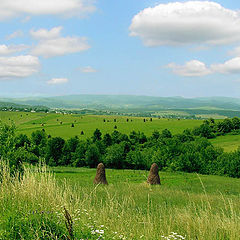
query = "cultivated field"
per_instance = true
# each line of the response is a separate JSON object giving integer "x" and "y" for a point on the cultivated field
{"x": 60, "y": 125}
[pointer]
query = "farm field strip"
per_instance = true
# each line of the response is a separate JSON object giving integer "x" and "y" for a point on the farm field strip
{"x": 88, "y": 123}
{"x": 26, "y": 123}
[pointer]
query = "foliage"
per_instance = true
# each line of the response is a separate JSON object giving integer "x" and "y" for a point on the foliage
{"x": 189, "y": 151}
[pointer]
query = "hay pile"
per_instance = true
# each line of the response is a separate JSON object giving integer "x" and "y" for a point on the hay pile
{"x": 153, "y": 177}
{"x": 100, "y": 177}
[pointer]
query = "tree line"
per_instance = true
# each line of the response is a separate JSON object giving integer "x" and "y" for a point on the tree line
{"x": 189, "y": 151}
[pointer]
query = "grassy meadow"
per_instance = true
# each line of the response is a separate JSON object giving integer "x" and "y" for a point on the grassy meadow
{"x": 28, "y": 122}
{"x": 60, "y": 125}
{"x": 228, "y": 142}
{"x": 185, "y": 206}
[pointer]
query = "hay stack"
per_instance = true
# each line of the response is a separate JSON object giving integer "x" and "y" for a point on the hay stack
{"x": 100, "y": 177}
{"x": 153, "y": 177}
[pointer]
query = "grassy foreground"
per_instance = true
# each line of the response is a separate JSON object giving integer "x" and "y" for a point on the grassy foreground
{"x": 192, "y": 206}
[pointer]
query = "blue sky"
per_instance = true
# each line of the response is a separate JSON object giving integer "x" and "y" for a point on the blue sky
{"x": 140, "y": 47}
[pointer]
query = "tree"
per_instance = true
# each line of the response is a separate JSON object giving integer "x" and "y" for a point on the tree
{"x": 39, "y": 138}
{"x": 22, "y": 140}
{"x": 54, "y": 151}
{"x": 73, "y": 143}
{"x": 225, "y": 126}
{"x": 78, "y": 157}
{"x": 155, "y": 135}
{"x": 69, "y": 149}
{"x": 116, "y": 137}
{"x": 38, "y": 143}
{"x": 137, "y": 137}
{"x": 107, "y": 140}
{"x": 7, "y": 143}
{"x": 166, "y": 133}
{"x": 97, "y": 135}
{"x": 92, "y": 156}
{"x": 236, "y": 123}
{"x": 114, "y": 156}
{"x": 204, "y": 130}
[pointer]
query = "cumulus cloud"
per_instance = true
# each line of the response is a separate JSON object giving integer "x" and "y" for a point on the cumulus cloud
{"x": 88, "y": 69}
{"x": 230, "y": 66}
{"x": 7, "y": 50}
{"x": 46, "y": 34}
{"x": 19, "y": 66}
{"x": 193, "y": 68}
{"x": 55, "y": 81}
{"x": 52, "y": 44}
{"x": 68, "y": 8}
{"x": 181, "y": 23}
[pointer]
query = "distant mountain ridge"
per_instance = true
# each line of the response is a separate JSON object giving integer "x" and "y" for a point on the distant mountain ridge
{"x": 116, "y": 102}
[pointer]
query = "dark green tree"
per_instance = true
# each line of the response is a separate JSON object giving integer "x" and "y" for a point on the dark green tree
{"x": 97, "y": 135}
{"x": 54, "y": 151}
{"x": 92, "y": 156}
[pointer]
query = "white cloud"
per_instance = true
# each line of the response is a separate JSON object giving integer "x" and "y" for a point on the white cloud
{"x": 55, "y": 81}
{"x": 193, "y": 68}
{"x": 88, "y": 69}
{"x": 181, "y": 23}
{"x": 230, "y": 66}
{"x": 7, "y": 50}
{"x": 46, "y": 34}
{"x": 51, "y": 43}
{"x": 19, "y": 66}
{"x": 68, "y": 8}
{"x": 15, "y": 34}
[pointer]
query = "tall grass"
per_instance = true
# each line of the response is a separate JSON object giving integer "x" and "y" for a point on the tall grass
{"x": 34, "y": 207}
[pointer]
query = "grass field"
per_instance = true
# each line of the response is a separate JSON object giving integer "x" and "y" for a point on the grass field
{"x": 192, "y": 206}
{"x": 187, "y": 182}
{"x": 29, "y": 122}
{"x": 228, "y": 142}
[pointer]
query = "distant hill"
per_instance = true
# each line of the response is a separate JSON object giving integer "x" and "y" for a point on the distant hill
{"x": 18, "y": 106}
{"x": 11, "y": 105}
{"x": 129, "y": 102}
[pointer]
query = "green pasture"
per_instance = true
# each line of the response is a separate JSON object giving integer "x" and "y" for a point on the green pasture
{"x": 175, "y": 181}
{"x": 60, "y": 125}
{"x": 228, "y": 142}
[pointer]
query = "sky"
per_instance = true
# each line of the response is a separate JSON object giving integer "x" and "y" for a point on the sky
{"x": 134, "y": 47}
